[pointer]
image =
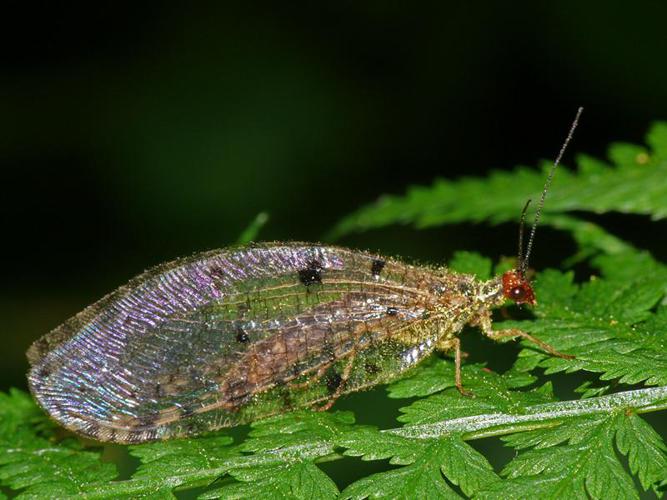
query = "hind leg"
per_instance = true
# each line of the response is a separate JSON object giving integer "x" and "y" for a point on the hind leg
{"x": 454, "y": 344}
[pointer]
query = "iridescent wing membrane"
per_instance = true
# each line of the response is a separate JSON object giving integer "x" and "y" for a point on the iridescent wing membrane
{"x": 227, "y": 336}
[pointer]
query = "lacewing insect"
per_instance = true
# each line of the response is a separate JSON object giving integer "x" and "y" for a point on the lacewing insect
{"x": 229, "y": 336}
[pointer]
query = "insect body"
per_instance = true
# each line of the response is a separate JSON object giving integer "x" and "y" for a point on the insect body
{"x": 230, "y": 336}
{"x": 227, "y": 336}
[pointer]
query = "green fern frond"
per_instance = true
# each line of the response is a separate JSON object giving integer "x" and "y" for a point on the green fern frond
{"x": 426, "y": 462}
{"x": 30, "y": 460}
{"x": 580, "y": 460}
{"x": 615, "y": 327}
{"x": 633, "y": 183}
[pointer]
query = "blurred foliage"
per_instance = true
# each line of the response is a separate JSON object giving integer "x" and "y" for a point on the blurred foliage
{"x": 251, "y": 232}
{"x": 634, "y": 184}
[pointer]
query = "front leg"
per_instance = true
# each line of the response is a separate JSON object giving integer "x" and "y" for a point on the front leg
{"x": 483, "y": 321}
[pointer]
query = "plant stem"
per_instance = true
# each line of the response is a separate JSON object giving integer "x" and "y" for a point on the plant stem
{"x": 539, "y": 416}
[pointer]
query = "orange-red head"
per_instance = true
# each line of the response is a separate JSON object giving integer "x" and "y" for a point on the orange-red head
{"x": 517, "y": 288}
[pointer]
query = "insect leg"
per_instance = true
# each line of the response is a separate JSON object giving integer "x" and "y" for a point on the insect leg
{"x": 457, "y": 367}
{"x": 483, "y": 320}
{"x": 515, "y": 332}
{"x": 447, "y": 345}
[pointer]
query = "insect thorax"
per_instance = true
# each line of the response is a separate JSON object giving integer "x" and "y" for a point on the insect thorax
{"x": 460, "y": 301}
{"x": 490, "y": 293}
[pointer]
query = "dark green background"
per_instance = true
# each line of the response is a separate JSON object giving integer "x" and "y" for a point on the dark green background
{"x": 133, "y": 135}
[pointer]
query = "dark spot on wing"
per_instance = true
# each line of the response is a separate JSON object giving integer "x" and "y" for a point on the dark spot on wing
{"x": 371, "y": 368}
{"x": 311, "y": 274}
{"x": 329, "y": 351}
{"x": 392, "y": 311}
{"x": 217, "y": 272}
{"x": 44, "y": 372}
{"x": 241, "y": 335}
{"x": 464, "y": 287}
{"x": 333, "y": 382}
{"x": 377, "y": 266}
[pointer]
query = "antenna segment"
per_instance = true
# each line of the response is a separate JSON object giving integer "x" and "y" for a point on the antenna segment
{"x": 523, "y": 262}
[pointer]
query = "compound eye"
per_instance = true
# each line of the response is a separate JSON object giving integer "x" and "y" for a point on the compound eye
{"x": 518, "y": 293}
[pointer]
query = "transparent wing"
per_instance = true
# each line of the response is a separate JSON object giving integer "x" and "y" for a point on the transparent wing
{"x": 218, "y": 339}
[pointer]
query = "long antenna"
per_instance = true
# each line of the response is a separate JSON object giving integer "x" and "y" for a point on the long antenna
{"x": 524, "y": 263}
{"x": 522, "y": 223}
